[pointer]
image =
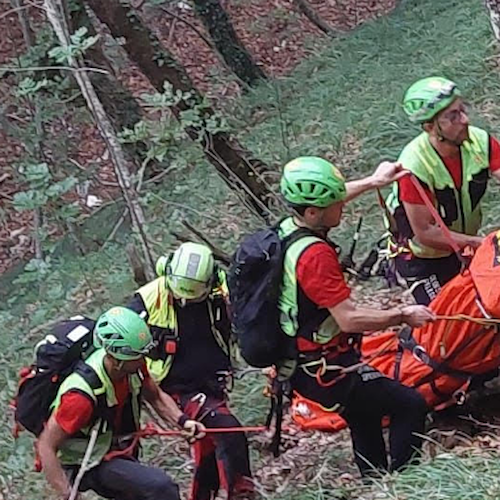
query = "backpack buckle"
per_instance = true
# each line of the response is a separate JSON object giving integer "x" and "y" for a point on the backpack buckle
{"x": 170, "y": 346}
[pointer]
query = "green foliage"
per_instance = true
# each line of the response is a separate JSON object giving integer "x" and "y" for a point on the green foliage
{"x": 43, "y": 172}
{"x": 162, "y": 101}
{"x": 80, "y": 43}
{"x": 37, "y": 175}
{"x": 42, "y": 189}
{"x": 166, "y": 136}
{"x": 44, "y": 192}
{"x": 471, "y": 476}
{"x": 28, "y": 87}
{"x": 37, "y": 54}
{"x": 29, "y": 200}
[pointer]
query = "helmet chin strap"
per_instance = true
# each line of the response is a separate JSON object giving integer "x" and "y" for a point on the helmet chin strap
{"x": 442, "y": 138}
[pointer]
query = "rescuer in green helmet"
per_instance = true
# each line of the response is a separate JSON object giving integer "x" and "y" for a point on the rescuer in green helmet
{"x": 97, "y": 410}
{"x": 452, "y": 161}
{"x": 317, "y": 311}
{"x": 186, "y": 309}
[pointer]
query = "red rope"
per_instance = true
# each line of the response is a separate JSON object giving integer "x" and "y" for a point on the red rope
{"x": 447, "y": 234}
{"x": 152, "y": 430}
{"x": 432, "y": 209}
{"x": 214, "y": 430}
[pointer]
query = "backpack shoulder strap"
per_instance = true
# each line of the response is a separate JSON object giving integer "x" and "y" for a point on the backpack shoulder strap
{"x": 298, "y": 241}
{"x": 219, "y": 323}
{"x": 90, "y": 376}
{"x": 298, "y": 234}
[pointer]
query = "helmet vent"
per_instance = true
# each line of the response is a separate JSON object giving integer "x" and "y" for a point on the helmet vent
{"x": 192, "y": 265}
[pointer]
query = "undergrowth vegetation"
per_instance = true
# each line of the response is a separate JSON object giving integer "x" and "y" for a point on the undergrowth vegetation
{"x": 343, "y": 103}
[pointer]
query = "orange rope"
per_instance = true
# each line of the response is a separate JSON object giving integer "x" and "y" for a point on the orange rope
{"x": 465, "y": 317}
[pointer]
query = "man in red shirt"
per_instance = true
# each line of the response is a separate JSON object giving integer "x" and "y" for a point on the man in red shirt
{"x": 101, "y": 401}
{"x": 318, "y": 311}
{"x": 453, "y": 162}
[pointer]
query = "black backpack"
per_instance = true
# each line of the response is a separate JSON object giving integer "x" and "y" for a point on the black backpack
{"x": 254, "y": 282}
{"x": 59, "y": 355}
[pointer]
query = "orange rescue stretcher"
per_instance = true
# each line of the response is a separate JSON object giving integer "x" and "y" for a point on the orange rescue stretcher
{"x": 438, "y": 359}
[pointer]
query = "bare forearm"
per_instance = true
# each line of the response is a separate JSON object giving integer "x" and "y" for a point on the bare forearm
{"x": 354, "y": 319}
{"x": 165, "y": 406}
{"x": 356, "y": 188}
{"x": 363, "y": 319}
{"x": 52, "y": 469}
{"x": 434, "y": 237}
{"x": 386, "y": 173}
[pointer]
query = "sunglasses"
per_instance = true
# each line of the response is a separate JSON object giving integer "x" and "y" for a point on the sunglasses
{"x": 128, "y": 351}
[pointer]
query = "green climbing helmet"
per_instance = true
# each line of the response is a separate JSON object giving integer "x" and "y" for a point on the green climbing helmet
{"x": 123, "y": 334}
{"x": 427, "y": 97}
{"x": 312, "y": 181}
{"x": 190, "y": 271}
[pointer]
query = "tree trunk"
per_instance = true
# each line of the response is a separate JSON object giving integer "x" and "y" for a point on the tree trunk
{"x": 218, "y": 24}
{"x": 120, "y": 105}
{"x": 56, "y": 16}
{"x": 314, "y": 17}
{"x": 24, "y": 22}
{"x": 234, "y": 164}
{"x": 135, "y": 263}
{"x": 493, "y": 7}
{"x": 34, "y": 110}
{"x": 37, "y": 226}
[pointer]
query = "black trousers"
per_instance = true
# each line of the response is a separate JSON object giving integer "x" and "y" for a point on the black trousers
{"x": 220, "y": 460}
{"x": 128, "y": 479}
{"x": 426, "y": 277}
{"x": 365, "y": 397}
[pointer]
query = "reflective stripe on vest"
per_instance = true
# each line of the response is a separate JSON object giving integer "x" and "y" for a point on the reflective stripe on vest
{"x": 288, "y": 302}
{"x": 422, "y": 159}
{"x": 73, "y": 449}
{"x": 159, "y": 303}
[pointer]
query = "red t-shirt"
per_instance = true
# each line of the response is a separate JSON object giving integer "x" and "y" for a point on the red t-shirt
{"x": 76, "y": 409}
{"x": 320, "y": 276}
{"x": 409, "y": 194}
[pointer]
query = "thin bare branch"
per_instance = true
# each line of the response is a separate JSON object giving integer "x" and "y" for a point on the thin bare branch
{"x": 218, "y": 253}
{"x": 24, "y": 23}
{"x": 185, "y": 207}
{"x": 62, "y": 68}
{"x": 314, "y": 17}
{"x": 55, "y": 14}
{"x": 188, "y": 24}
{"x": 14, "y": 10}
